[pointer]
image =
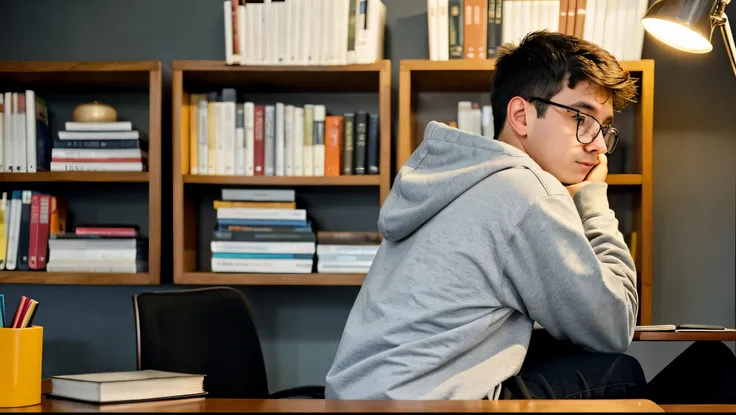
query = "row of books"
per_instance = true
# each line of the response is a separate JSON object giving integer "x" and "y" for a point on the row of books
{"x": 221, "y": 136}
{"x": 474, "y": 29}
{"x": 25, "y": 143}
{"x": 303, "y": 32}
{"x": 262, "y": 231}
{"x": 99, "y": 146}
{"x": 34, "y": 237}
{"x": 474, "y": 118}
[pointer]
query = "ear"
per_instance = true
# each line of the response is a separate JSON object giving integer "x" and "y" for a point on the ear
{"x": 516, "y": 115}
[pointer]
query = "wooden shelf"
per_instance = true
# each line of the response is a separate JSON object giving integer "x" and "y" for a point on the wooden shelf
{"x": 77, "y": 278}
{"x": 219, "y": 278}
{"x": 368, "y": 180}
{"x": 343, "y": 78}
{"x": 33, "y": 74}
{"x": 76, "y": 80}
{"x": 75, "y": 176}
{"x": 466, "y": 75}
{"x": 685, "y": 336}
{"x": 624, "y": 179}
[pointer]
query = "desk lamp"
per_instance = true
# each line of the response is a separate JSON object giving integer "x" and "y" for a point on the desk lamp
{"x": 688, "y": 25}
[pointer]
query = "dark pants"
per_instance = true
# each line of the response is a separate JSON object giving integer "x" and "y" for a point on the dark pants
{"x": 554, "y": 369}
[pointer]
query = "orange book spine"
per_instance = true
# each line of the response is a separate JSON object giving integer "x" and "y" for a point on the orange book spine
{"x": 256, "y": 205}
{"x": 475, "y": 28}
{"x": 333, "y": 144}
{"x": 57, "y": 222}
{"x": 563, "y": 17}
{"x": 184, "y": 126}
{"x": 572, "y": 7}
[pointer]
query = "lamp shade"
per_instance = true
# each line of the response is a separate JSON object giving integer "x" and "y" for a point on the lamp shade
{"x": 682, "y": 24}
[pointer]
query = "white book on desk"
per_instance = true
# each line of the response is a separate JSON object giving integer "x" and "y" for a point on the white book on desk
{"x": 127, "y": 386}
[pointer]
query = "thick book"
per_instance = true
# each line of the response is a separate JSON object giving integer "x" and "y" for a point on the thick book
{"x": 127, "y": 386}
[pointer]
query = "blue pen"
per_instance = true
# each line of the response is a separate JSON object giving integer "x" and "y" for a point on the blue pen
{"x": 2, "y": 310}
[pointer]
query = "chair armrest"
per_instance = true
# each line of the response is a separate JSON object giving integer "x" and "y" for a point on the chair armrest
{"x": 312, "y": 391}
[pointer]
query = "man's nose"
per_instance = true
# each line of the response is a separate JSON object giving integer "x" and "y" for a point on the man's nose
{"x": 598, "y": 145}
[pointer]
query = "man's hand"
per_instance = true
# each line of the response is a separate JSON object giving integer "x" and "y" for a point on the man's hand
{"x": 596, "y": 174}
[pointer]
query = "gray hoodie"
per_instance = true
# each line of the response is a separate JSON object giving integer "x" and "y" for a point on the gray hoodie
{"x": 479, "y": 244}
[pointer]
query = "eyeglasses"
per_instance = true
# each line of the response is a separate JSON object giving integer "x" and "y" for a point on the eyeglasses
{"x": 588, "y": 127}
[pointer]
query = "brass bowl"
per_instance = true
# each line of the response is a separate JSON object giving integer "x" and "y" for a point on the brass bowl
{"x": 94, "y": 112}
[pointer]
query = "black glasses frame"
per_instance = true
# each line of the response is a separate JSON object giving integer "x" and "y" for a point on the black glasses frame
{"x": 605, "y": 129}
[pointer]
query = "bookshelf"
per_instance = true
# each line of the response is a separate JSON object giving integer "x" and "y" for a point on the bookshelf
{"x": 134, "y": 87}
{"x": 371, "y": 82}
{"x": 419, "y": 78}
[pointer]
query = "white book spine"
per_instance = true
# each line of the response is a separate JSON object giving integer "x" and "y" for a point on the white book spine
{"x": 242, "y": 36}
{"x": 256, "y": 195}
{"x": 219, "y": 138}
{"x": 261, "y": 213}
{"x": 257, "y": 28}
{"x": 14, "y": 233}
{"x": 287, "y": 30}
{"x": 432, "y": 29}
{"x": 30, "y": 135}
{"x": 318, "y": 140}
{"x": 443, "y": 30}
{"x": 263, "y": 247}
{"x": 298, "y": 141}
{"x": 228, "y": 18}
{"x": 279, "y": 143}
{"x": 4, "y": 221}
{"x": 93, "y": 254}
{"x": 273, "y": 28}
{"x": 240, "y": 141}
{"x": 289, "y": 140}
{"x": 305, "y": 28}
{"x": 2, "y": 134}
{"x": 326, "y": 269}
{"x": 9, "y": 155}
{"x": 589, "y": 25}
{"x": 228, "y": 129}
{"x": 323, "y": 249}
{"x": 315, "y": 23}
{"x": 20, "y": 133}
{"x": 279, "y": 266}
{"x": 249, "y": 108}
{"x": 202, "y": 136}
{"x": 99, "y": 153}
{"x": 265, "y": 33}
{"x": 294, "y": 31}
{"x": 96, "y": 166}
{"x": 600, "y": 21}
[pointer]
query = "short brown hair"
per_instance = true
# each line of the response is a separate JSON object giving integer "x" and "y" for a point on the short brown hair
{"x": 541, "y": 64}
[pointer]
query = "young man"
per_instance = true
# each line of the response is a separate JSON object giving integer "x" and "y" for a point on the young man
{"x": 482, "y": 238}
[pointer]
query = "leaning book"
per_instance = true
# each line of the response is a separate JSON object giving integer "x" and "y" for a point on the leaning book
{"x": 116, "y": 387}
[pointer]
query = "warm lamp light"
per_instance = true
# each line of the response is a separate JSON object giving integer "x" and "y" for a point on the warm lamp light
{"x": 688, "y": 25}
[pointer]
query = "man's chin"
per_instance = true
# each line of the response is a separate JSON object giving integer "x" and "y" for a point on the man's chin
{"x": 571, "y": 179}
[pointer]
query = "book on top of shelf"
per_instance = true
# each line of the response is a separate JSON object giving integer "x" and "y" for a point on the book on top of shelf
{"x": 299, "y": 32}
{"x": 612, "y": 25}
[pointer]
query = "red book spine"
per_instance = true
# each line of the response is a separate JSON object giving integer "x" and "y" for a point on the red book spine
{"x": 33, "y": 239}
{"x": 258, "y": 134}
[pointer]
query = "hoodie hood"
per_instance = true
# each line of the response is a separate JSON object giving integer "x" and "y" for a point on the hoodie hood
{"x": 447, "y": 163}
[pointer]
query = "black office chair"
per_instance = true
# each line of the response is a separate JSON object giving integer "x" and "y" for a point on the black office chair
{"x": 206, "y": 331}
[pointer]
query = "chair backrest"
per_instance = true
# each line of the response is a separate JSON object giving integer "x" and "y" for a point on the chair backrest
{"x": 207, "y": 331}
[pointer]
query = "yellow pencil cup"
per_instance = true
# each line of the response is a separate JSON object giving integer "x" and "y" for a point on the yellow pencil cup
{"x": 20, "y": 366}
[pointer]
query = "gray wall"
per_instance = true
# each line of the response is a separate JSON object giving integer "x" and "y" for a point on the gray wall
{"x": 91, "y": 328}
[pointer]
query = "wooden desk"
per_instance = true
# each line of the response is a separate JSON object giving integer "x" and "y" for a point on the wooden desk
{"x": 726, "y": 336}
{"x": 298, "y": 405}
{"x": 700, "y": 408}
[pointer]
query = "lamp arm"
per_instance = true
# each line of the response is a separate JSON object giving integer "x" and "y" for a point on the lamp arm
{"x": 728, "y": 40}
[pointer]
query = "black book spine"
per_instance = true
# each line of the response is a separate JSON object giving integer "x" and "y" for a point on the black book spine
{"x": 361, "y": 132}
{"x": 372, "y": 144}
{"x": 348, "y": 143}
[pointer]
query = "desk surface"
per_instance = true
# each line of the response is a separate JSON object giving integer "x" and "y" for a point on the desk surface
{"x": 685, "y": 336}
{"x": 298, "y": 405}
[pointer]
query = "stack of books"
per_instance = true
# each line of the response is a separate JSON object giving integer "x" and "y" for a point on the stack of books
{"x": 110, "y": 248}
{"x": 303, "y": 32}
{"x": 227, "y": 137}
{"x": 474, "y": 29}
{"x": 99, "y": 146}
{"x": 261, "y": 231}
{"x": 346, "y": 252}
